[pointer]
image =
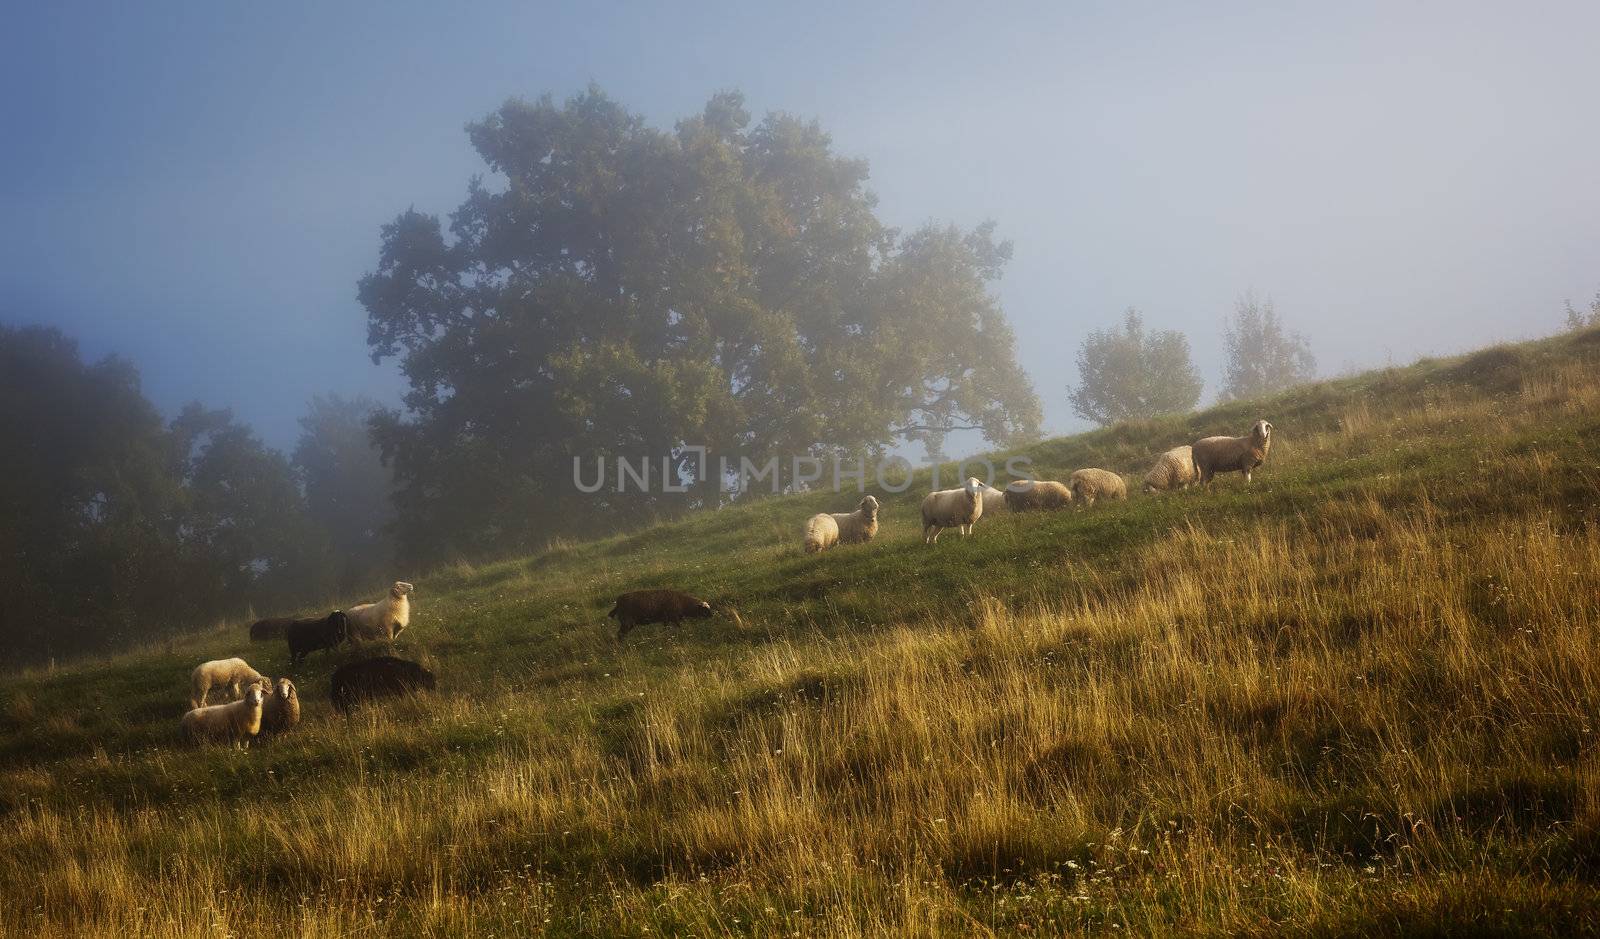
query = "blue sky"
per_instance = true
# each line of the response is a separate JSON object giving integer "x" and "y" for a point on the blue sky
{"x": 199, "y": 186}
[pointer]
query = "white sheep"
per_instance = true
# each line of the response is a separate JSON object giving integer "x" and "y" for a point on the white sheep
{"x": 1173, "y": 470}
{"x": 1215, "y": 455}
{"x": 1028, "y": 495}
{"x": 952, "y": 508}
{"x": 824, "y": 530}
{"x": 385, "y": 619}
{"x": 994, "y": 501}
{"x": 233, "y": 674}
{"x": 226, "y": 723}
{"x": 1090, "y": 484}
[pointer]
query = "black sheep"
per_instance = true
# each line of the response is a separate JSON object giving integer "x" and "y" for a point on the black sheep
{"x": 270, "y": 628}
{"x": 643, "y": 607}
{"x": 308, "y": 635}
{"x": 382, "y": 677}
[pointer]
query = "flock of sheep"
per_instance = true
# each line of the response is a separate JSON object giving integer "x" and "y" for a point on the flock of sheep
{"x": 258, "y": 705}
{"x": 961, "y": 508}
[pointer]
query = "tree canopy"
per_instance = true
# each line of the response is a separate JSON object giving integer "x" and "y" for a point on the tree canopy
{"x": 616, "y": 290}
{"x": 1128, "y": 373}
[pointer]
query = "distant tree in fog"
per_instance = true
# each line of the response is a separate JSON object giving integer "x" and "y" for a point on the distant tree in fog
{"x": 1260, "y": 356}
{"x": 116, "y": 526}
{"x": 1578, "y": 319}
{"x": 1125, "y": 372}
{"x": 347, "y": 488}
{"x": 614, "y": 290}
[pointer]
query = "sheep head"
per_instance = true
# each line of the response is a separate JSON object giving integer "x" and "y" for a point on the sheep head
{"x": 255, "y": 696}
{"x": 340, "y": 624}
{"x": 400, "y": 589}
{"x": 869, "y": 507}
{"x": 1262, "y": 431}
{"x": 285, "y": 690}
{"x": 704, "y": 609}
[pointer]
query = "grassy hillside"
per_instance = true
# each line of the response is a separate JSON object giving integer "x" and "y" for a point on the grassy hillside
{"x": 1358, "y": 696}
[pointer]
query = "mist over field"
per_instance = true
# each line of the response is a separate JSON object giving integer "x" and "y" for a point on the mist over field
{"x": 720, "y": 470}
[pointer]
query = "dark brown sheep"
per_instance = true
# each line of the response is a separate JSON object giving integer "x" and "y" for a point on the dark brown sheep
{"x": 270, "y": 628}
{"x": 643, "y": 607}
{"x": 382, "y": 677}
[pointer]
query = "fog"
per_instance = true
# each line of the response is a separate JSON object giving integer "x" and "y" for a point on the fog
{"x": 200, "y": 191}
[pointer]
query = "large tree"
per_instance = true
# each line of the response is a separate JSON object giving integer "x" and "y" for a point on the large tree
{"x": 615, "y": 290}
{"x": 1261, "y": 356}
{"x": 1125, "y": 372}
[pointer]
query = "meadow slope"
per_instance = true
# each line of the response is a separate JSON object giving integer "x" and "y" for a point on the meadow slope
{"x": 1356, "y": 697}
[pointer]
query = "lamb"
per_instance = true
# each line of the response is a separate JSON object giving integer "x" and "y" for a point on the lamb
{"x": 1037, "y": 495}
{"x": 263, "y": 629}
{"x": 382, "y": 677}
{"x": 952, "y": 508}
{"x": 1091, "y": 484}
{"x": 308, "y": 635}
{"x": 386, "y": 619}
{"x": 233, "y": 723}
{"x": 1174, "y": 469}
{"x": 643, "y": 607}
{"x": 282, "y": 708}
{"x": 233, "y": 674}
{"x": 1214, "y": 455}
{"x": 825, "y": 530}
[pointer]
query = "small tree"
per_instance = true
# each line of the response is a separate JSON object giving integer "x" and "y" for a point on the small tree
{"x": 1577, "y": 319}
{"x": 1127, "y": 373}
{"x": 1261, "y": 356}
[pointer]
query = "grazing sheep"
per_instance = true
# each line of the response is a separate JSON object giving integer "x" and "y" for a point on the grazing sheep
{"x": 825, "y": 530}
{"x": 282, "y": 708}
{"x": 994, "y": 501}
{"x": 382, "y": 677}
{"x": 232, "y": 674}
{"x": 308, "y": 635}
{"x": 1215, "y": 455}
{"x": 643, "y": 607}
{"x": 1037, "y": 495}
{"x": 1173, "y": 470}
{"x": 231, "y": 723}
{"x": 952, "y": 508}
{"x": 263, "y": 629}
{"x": 1091, "y": 484}
{"x": 385, "y": 619}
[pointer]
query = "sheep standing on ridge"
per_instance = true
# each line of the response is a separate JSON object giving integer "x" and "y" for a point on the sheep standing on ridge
{"x": 385, "y": 619}
{"x": 1091, "y": 484}
{"x": 225, "y": 723}
{"x": 1173, "y": 470}
{"x": 1215, "y": 455}
{"x": 825, "y": 530}
{"x": 232, "y": 674}
{"x": 1030, "y": 495}
{"x": 281, "y": 710}
{"x": 952, "y": 508}
{"x": 643, "y": 607}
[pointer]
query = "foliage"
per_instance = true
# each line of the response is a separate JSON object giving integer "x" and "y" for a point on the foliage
{"x": 1129, "y": 373}
{"x": 118, "y": 527}
{"x": 614, "y": 290}
{"x": 1261, "y": 358}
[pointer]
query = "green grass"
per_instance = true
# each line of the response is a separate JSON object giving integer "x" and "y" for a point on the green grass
{"x": 1357, "y": 696}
